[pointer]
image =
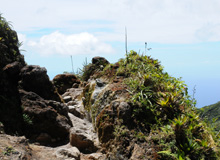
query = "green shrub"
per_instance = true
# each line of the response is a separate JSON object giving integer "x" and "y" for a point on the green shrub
{"x": 27, "y": 119}
{"x": 160, "y": 100}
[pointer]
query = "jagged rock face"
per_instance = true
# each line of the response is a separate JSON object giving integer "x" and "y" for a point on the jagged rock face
{"x": 116, "y": 111}
{"x": 9, "y": 99}
{"x": 46, "y": 116}
{"x": 10, "y": 63}
{"x": 64, "y": 81}
{"x": 108, "y": 108}
{"x": 107, "y": 104}
{"x": 10, "y": 110}
{"x": 50, "y": 119}
{"x": 35, "y": 79}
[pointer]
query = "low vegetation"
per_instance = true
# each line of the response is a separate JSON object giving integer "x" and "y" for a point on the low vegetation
{"x": 9, "y": 44}
{"x": 211, "y": 114}
{"x": 163, "y": 113}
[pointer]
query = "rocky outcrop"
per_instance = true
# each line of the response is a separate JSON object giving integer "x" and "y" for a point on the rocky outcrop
{"x": 10, "y": 63}
{"x": 107, "y": 105}
{"x": 122, "y": 111}
{"x": 64, "y": 81}
{"x": 10, "y": 105}
{"x": 35, "y": 79}
{"x": 47, "y": 120}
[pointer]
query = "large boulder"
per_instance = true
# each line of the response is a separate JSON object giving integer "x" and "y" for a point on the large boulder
{"x": 35, "y": 79}
{"x": 82, "y": 141}
{"x": 68, "y": 153}
{"x": 98, "y": 64}
{"x": 13, "y": 70}
{"x": 46, "y": 120}
{"x": 99, "y": 61}
{"x": 82, "y": 135}
{"x": 64, "y": 81}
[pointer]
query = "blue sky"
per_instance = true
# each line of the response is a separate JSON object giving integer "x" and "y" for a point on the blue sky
{"x": 184, "y": 35}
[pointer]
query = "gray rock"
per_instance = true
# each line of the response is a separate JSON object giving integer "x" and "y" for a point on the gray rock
{"x": 75, "y": 93}
{"x": 95, "y": 156}
{"x": 67, "y": 98}
{"x": 71, "y": 103}
{"x": 70, "y": 153}
{"x": 82, "y": 135}
{"x": 75, "y": 110}
{"x": 99, "y": 83}
{"x": 66, "y": 94}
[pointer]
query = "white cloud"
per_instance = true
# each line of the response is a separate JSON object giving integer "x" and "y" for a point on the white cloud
{"x": 22, "y": 37}
{"x": 166, "y": 21}
{"x": 74, "y": 44}
{"x": 208, "y": 32}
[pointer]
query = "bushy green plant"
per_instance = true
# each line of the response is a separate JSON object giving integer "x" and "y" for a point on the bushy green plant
{"x": 163, "y": 114}
{"x": 27, "y": 119}
{"x": 9, "y": 150}
{"x": 9, "y": 44}
{"x": 155, "y": 94}
{"x": 160, "y": 100}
